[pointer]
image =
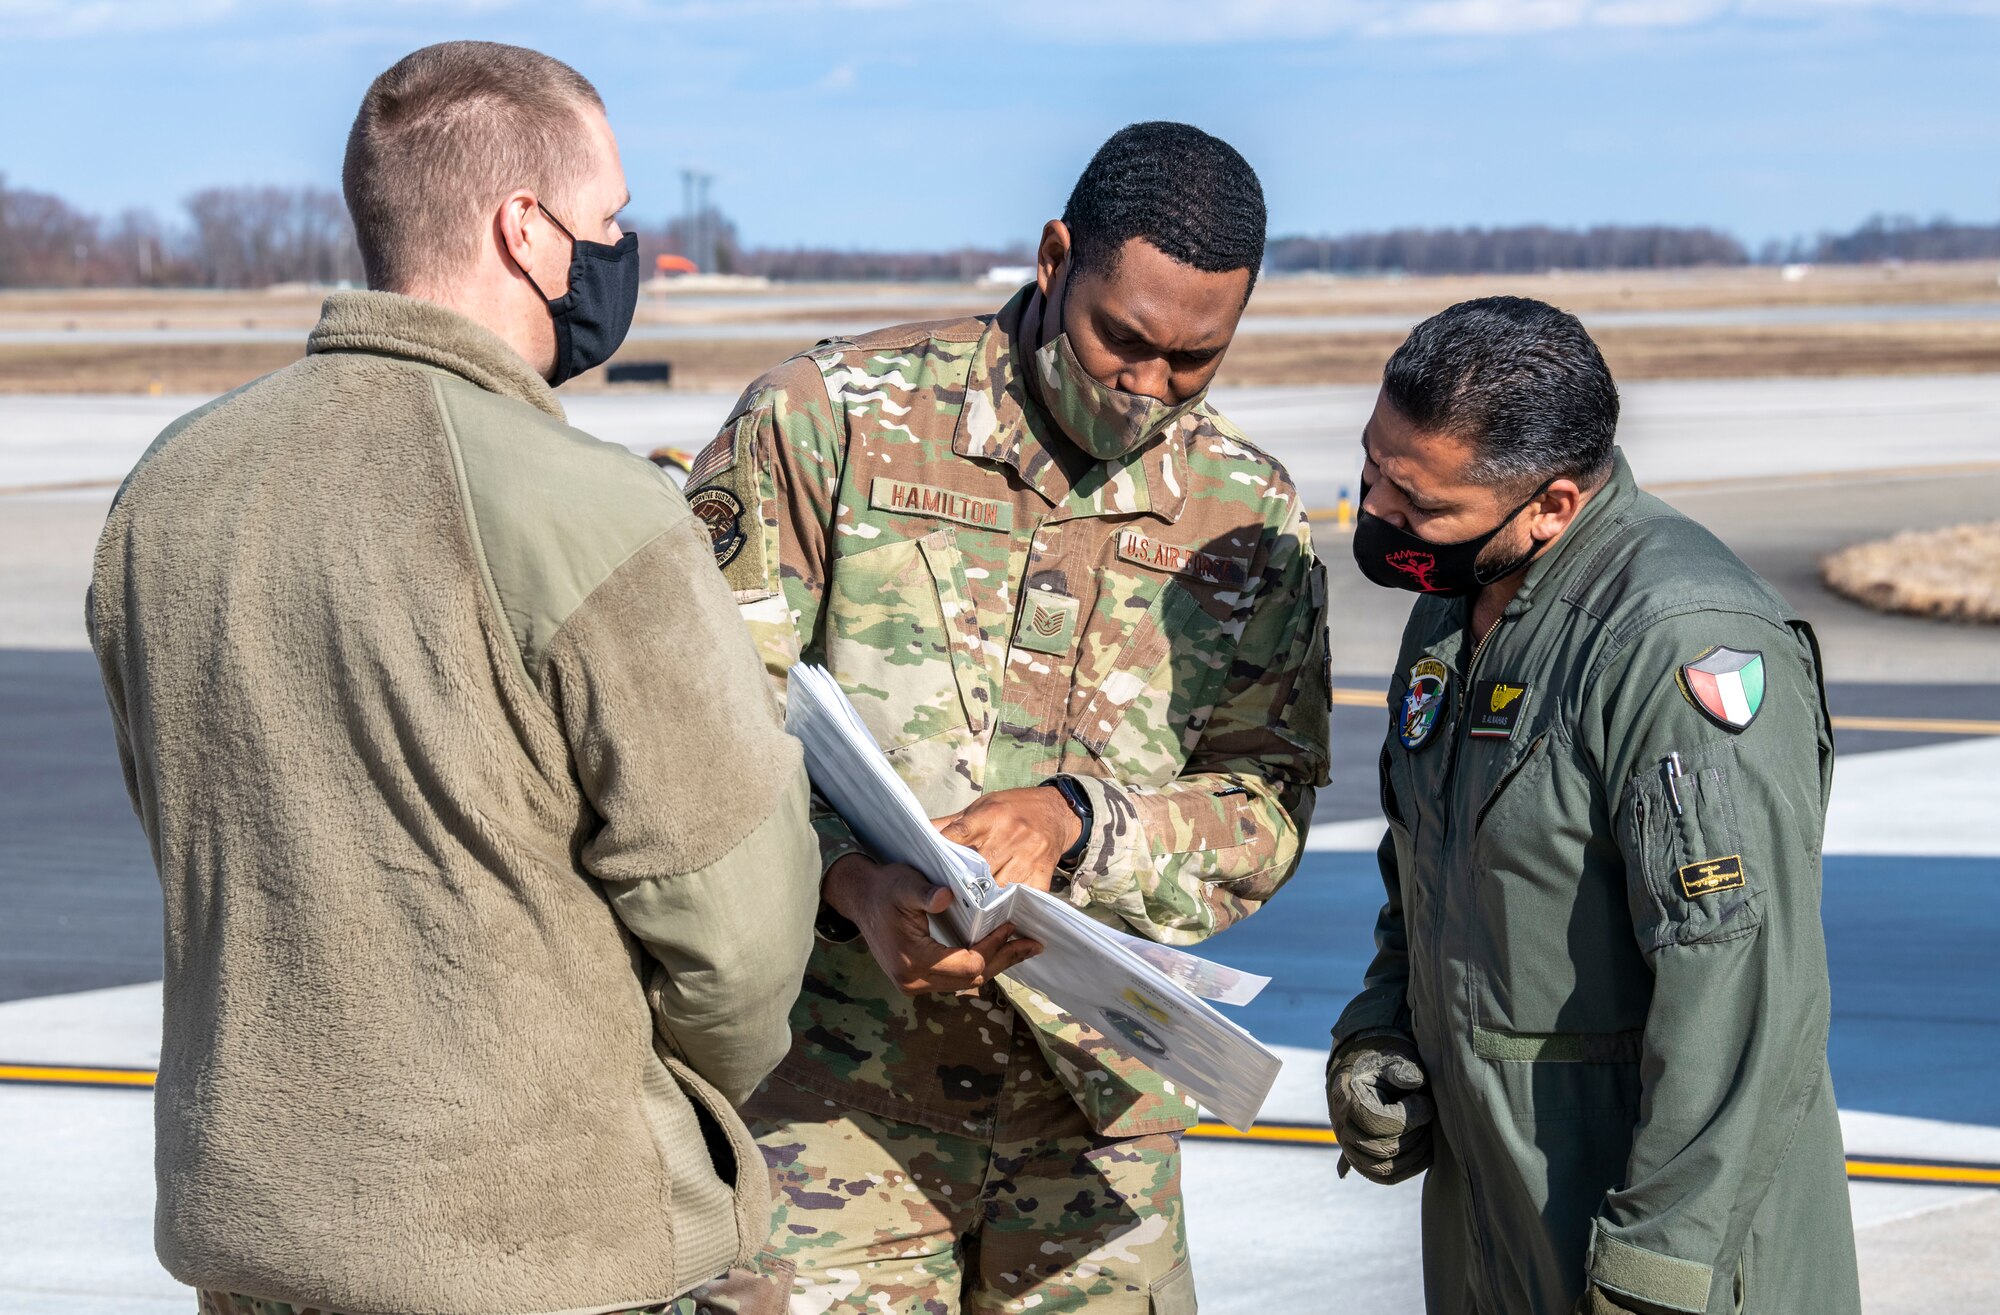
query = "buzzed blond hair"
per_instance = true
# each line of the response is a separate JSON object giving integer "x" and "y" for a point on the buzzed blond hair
{"x": 442, "y": 136}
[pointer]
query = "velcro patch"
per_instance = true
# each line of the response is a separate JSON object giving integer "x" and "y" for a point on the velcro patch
{"x": 1204, "y": 566}
{"x": 924, "y": 500}
{"x": 1495, "y": 709}
{"x": 717, "y": 457}
{"x": 722, "y": 516}
{"x": 1711, "y": 875}
{"x": 1048, "y": 622}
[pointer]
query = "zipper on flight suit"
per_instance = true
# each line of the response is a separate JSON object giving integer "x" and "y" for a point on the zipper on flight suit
{"x": 1474, "y": 1196}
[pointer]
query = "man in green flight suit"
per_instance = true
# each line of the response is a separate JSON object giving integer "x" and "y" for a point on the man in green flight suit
{"x": 1082, "y": 616}
{"x": 1598, "y": 1010}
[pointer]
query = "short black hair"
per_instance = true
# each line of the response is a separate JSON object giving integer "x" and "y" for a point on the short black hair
{"x": 1518, "y": 379}
{"x": 1189, "y": 194}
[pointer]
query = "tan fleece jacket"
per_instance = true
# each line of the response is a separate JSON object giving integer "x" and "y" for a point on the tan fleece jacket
{"x": 488, "y": 876}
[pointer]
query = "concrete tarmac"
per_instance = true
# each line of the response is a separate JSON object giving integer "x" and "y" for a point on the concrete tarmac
{"x": 1783, "y": 470}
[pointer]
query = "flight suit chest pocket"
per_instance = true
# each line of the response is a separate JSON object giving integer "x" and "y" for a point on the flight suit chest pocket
{"x": 1688, "y": 878}
{"x": 904, "y": 641}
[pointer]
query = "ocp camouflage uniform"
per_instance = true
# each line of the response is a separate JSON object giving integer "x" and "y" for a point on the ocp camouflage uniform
{"x": 1001, "y": 608}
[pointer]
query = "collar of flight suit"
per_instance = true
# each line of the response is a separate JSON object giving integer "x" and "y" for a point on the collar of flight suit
{"x": 1001, "y": 422}
{"x": 390, "y": 324}
{"x": 1574, "y": 552}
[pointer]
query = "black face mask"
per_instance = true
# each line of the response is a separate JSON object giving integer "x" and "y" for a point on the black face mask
{"x": 1397, "y": 559}
{"x": 593, "y": 317}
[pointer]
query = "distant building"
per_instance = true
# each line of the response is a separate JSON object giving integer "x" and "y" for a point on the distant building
{"x": 1012, "y": 276}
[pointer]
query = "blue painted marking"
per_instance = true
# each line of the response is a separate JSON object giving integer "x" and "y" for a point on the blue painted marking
{"x": 1910, "y": 945}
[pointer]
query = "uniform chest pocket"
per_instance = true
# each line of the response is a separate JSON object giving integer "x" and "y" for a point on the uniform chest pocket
{"x": 904, "y": 642}
{"x": 1688, "y": 878}
{"x": 1130, "y": 716}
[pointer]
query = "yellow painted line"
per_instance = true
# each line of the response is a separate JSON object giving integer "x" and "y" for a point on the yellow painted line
{"x": 1901, "y": 1171}
{"x": 77, "y": 1076}
{"x": 62, "y": 486}
{"x": 1364, "y": 698}
{"x": 1274, "y": 1134}
{"x": 1917, "y": 725}
{"x": 1282, "y": 1133}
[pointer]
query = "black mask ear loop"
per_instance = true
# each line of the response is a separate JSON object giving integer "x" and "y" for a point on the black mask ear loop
{"x": 548, "y": 215}
{"x": 1482, "y": 578}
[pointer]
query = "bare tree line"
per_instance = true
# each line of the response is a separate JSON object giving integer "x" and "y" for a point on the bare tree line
{"x": 1898, "y": 237}
{"x": 1529, "y": 249}
{"x": 232, "y": 237}
{"x": 248, "y": 237}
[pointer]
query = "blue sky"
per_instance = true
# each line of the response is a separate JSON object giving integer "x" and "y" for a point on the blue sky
{"x": 919, "y": 123}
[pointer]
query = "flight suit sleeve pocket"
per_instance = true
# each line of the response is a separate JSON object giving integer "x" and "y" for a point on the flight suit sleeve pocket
{"x": 1689, "y": 879}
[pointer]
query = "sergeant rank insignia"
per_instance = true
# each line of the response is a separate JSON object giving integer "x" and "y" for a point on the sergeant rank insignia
{"x": 1423, "y": 703}
{"x": 1726, "y": 685}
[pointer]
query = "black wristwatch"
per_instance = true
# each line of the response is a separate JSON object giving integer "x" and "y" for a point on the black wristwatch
{"x": 1079, "y": 803}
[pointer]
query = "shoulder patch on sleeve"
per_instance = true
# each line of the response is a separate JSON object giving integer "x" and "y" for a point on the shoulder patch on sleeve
{"x": 1725, "y": 685}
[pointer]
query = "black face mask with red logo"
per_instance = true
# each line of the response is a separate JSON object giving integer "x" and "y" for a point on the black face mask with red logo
{"x": 1397, "y": 559}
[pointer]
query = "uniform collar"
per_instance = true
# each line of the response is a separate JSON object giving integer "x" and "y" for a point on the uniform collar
{"x": 1603, "y": 513}
{"x": 390, "y": 324}
{"x": 1002, "y": 422}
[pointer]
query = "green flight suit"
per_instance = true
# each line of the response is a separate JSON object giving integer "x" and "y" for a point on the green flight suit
{"x": 1616, "y": 976}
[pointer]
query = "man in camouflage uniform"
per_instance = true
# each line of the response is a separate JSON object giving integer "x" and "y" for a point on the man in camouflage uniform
{"x": 1082, "y": 616}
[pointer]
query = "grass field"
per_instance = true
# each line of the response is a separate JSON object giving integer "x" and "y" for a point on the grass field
{"x": 1844, "y": 345}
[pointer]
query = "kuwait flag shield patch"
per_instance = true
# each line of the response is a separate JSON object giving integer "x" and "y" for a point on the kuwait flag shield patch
{"x": 1727, "y": 685}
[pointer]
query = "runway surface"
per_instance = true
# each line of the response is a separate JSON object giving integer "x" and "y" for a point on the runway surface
{"x": 1783, "y": 470}
{"x": 806, "y": 326}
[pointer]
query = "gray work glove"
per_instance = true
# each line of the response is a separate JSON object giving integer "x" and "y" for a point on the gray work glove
{"x": 1379, "y": 1110}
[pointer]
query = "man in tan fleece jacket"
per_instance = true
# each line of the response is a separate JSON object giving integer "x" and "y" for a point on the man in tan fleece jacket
{"x": 488, "y": 874}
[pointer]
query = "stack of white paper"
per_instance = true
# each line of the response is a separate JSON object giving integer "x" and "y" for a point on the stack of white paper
{"x": 1146, "y": 999}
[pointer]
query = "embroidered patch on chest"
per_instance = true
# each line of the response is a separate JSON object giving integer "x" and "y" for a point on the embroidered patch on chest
{"x": 1496, "y": 709}
{"x": 1711, "y": 875}
{"x": 1423, "y": 703}
{"x": 925, "y": 500}
{"x": 1203, "y": 566}
{"x": 1048, "y": 622}
{"x": 722, "y": 516}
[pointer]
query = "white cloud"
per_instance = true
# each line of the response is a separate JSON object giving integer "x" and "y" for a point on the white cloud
{"x": 841, "y": 77}
{"x": 1147, "y": 22}
{"x": 1190, "y": 21}
{"x": 56, "y": 19}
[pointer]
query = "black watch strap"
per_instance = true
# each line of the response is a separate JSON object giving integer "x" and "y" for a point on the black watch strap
{"x": 833, "y": 925}
{"x": 1079, "y": 803}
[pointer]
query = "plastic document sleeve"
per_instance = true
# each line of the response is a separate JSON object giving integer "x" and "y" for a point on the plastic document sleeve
{"x": 1147, "y": 1000}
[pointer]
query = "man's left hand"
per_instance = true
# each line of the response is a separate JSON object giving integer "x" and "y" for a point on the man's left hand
{"x": 1022, "y": 834}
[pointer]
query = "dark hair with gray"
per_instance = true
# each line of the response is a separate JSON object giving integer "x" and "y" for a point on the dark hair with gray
{"x": 1189, "y": 194}
{"x": 445, "y": 134}
{"x": 1518, "y": 379}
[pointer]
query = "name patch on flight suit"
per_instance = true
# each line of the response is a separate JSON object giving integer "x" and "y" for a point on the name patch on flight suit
{"x": 1495, "y": 709}
{"x": 1048, "y": 622}
{"x": 924, "y": 500}
{"x": 1203, "y": 566}
{"x": 1711, "y": 875}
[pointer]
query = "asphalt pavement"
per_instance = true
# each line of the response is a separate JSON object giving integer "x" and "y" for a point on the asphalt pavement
{"x": 1783, "y": 471}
